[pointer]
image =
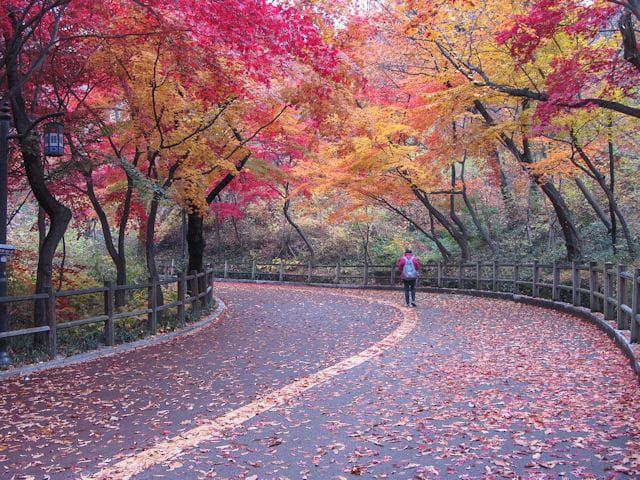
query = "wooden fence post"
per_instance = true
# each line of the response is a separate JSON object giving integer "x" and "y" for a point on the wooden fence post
{"x": 515, "y": 277}
{"x": 575, "y": 285}
{"x": 211, "y": 284}
{"x": 51, "y": 317}
{"x": 393, "y": 274}
{"x": 226, "y": 268}
{"x": 478, "y": 274}
{"x": 621, "y": 297}
{"x": 494, "y": 276}
{"x": 535, "y": 279}
{"x": 439, "y": 275}
{"x": 253, "y": 270}
{"x": 365, "y": 274}
{"x": 635, "y": 307}
{"x": 281, "y": 272}
{"x": 195, "y": 293}
{"x": 608, "y": 291}
{"x": 555, "y": 285}
{"x": 182, "y": 291}
{"x": 339, "y": 270}
{"x": 152, "y": 316}
{"x": 593, "y": 286}
{"x": 309, "y": 272}
{"x": 109, "y": 330}
{"x": 460, "y": 270}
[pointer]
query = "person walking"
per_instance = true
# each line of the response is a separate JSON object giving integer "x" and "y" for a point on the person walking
{"x": 409, "y": 268}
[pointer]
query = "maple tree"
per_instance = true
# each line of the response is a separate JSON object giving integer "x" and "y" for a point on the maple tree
{"x": 462, "y": 121}
{"x": 151, "y": 83}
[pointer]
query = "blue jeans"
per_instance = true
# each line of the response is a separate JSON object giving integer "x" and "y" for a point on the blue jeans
{"x": 410, "y": 285}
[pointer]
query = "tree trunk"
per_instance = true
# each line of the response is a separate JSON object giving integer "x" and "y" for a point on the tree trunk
{"x": 472, "y": 211}
{"x": 446, "y": 254}
{"x": 507, "y": 196}
{"x": 612, "y": 184}
{"x": 452, "y": 210}
{"x": 195, "y": 230}
{"x": 121, "y": 274}
{"x": 118, "y": 259}
{"x": 42, "y": 226}
{"x": 62, "y": 264}
{"x": 59, "y": 215}
{"x": 594, "y": 204}
{"x": 613, "y": 204}
{"x": 195, "y": 241}
{"x": 236, "y": 232}
{"x": 285, "y": 210}
{"x": 150, "y": 249}
{"x": 459, "y": 238}
{"x": 571, "y": 238}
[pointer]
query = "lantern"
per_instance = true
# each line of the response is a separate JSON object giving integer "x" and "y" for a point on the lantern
{"x": 53, "y": 140}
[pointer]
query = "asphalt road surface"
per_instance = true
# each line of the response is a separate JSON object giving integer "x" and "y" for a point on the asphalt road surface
{"x": 314, "y": 383}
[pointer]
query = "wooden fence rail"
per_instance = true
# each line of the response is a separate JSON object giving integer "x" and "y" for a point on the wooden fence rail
{"x": 612, "y": 290}
{"x": 198, "y": 296}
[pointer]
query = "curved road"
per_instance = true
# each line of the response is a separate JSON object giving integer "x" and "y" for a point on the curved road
{"x": 470, "y": 388}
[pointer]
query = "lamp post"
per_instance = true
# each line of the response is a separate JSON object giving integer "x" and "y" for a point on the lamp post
{"x": 5, "y": 117}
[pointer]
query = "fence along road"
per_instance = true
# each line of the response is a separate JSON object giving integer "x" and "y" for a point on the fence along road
{"x": 612, "y": 290}
{"x": 194, "y": 290}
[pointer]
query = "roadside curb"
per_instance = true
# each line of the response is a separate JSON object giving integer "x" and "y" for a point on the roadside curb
{"x": 105, "y": 351}
{"x": 583, "y": 313}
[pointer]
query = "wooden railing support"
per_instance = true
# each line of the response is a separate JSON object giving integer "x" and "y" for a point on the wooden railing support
{"x": 494, "y": 276}
{"x": 182, "y": 294}
{"x": 593, "y": 286}
{"x": 52, "y": 338}
{"x": 478, "y": 275}
{"x": 460, "y": 271}
{"x": 195, "y": 292}
{"x": 339, "y": 271}
{"x": 635, "y": 307}
{"x": 515, "y": 278}
{"x": 253, "y": 270}
{"x": 608, "y": 291}
{"x": 621, "y": 297}
{"x": 555, "y": 283}
{"x": 309, "y": 271}
{"x": 439, "y": 275}
{"x": 152, "y": 316}
{"x": 226, "y": 269}
{"x": 393, "y": 274}
{"x": 575, "y": 285}
{"x": 535, "y": 279}
{"x": 281, "y": 272}
{"x": 365, "y": 274}
{"x": 109, "y": 328}
{"x": 212, "y": 285}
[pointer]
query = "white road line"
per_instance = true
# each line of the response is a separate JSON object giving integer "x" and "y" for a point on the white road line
{"x": 212, "y": 429}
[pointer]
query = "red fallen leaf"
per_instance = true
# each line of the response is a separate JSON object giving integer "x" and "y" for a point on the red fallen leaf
{"x": 166, "y": 432}
{"x": 621, "y": 468}
{"x": 357, "y": 470}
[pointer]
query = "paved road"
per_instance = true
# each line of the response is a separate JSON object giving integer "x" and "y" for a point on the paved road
{"x": 480, "y": 388}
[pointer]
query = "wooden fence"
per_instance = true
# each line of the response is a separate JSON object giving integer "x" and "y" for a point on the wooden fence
{"x": 195, "y": 289}
{"x": 611, "y": 289}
